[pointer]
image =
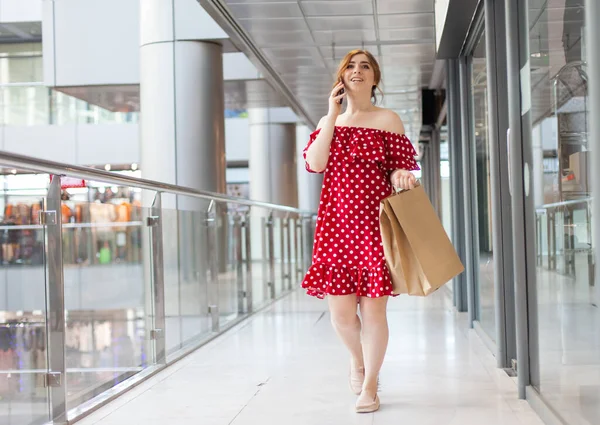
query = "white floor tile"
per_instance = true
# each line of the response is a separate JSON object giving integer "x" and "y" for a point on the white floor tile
{"x": 287, "y": 366}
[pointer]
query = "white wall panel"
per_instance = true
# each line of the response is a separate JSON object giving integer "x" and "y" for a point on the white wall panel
{"x": 97, "y": 144}
{"x": 87, "y": 42}
{"x": 156, "y": 28}
{"x": 20, "y": 11}
{"x": 237, "y": 139}
{"x": 236, "y": 66}
{"x": 83, "y": 144}
{"x": 108, "y": 144}
{"x": 193, "y": 23}
{"x": 96, "y": 43}
{"x": 48, "y": 43}
{"x": 53, "y": 142}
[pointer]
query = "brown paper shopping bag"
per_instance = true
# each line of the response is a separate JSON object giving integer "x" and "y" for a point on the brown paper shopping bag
{"x": 418, "y": 252}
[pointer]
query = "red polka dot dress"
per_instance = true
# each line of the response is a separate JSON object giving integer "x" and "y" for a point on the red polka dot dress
{"x": 347, "y": 251}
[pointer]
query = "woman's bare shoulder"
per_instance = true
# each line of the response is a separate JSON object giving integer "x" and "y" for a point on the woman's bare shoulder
{"x": 390, "y": 121}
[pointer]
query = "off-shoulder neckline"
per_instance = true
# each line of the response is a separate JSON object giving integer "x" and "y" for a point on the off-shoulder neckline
{"x": 371, "y": 129}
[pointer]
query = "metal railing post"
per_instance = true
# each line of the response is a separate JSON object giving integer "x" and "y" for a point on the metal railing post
{"x": 157, "y": 334}
{"x": 56, "y": 377}
{"x": 271, "y": 249}
{"x": 290, "y": 267}
{"x": 248, "y": 248}
{"x": 213, "y": 267}
{"x": 239, "y": 261}
{"x": 294, "y": 230}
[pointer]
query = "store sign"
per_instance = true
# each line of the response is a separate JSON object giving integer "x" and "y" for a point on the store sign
{"x": 69, "y": 182}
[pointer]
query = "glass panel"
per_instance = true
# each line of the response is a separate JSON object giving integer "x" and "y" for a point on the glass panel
{"x": 278, "y": 254}
{"x": 487, "y": 315}
{"x": 23, "y": 338}
{"x": 568, "y": 315}
{"x": 261, "y": 291}
{"x": 228, "y": 232}
{"x": 187, "y": 275}
{"x": 107, "y": 290}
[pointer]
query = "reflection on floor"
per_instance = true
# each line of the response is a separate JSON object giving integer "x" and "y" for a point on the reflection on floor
{"x": 285, "y": 365}
{"x": 569, "y": 323}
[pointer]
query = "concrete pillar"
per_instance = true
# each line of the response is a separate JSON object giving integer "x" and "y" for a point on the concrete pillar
{"x": 309, "y": 184}
{"x": 272, "y": 168}
{"x": 182, "y": 106}
{"x": 272, "y": 161}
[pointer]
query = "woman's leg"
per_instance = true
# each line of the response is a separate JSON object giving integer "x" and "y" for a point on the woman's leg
{"x": 375, "y": 335}
{"x": 346, "y": 323}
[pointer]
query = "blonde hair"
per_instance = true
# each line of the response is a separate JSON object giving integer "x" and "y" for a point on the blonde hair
{"x": 372, "y": 61}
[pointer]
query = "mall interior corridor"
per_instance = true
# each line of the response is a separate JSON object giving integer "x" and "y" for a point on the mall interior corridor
{"x": 286, "y": 365}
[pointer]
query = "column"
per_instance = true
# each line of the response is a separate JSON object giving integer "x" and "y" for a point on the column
{"x": 272, "y": 168}
{"x": 182, "y": 105}
{"x": 309, "y": 184}
{"x": 272, "y": 163}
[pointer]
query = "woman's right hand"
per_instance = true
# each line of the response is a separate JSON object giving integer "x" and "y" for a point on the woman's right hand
{"x": 335, "y": 105}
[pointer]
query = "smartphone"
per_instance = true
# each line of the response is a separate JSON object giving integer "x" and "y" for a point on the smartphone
{"x": 339, "y": 93}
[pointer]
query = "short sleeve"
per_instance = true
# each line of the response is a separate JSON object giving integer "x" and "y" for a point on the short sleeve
{"x": 399, "y": 153}
{"x": 313, "y": 136}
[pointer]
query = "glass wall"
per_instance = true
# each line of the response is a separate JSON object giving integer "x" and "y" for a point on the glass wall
{"x": 487, "y": 315}
{"x": 569, "y": 320}
{"x": 24, "y": 100}
{"x": 23, "y": 316}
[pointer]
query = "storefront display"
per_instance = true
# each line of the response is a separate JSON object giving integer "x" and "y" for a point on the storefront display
{"x": 104, "y": 230}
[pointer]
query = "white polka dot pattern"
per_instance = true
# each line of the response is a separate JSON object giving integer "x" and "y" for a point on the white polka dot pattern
{"x": 347, "y": 251}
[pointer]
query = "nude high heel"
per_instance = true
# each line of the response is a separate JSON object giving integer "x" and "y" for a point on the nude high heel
{"x": 367, "y": 405}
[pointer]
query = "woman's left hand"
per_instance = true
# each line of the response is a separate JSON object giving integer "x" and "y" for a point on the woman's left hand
{"x": 403, "y": 179}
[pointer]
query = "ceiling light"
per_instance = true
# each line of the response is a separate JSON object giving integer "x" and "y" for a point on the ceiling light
{"x": 107, "y": 167}
{"x": 13, "y": 171}
{"x": 134, "y": 167}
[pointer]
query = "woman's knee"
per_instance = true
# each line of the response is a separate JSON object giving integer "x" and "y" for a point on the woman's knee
{"x": 373, "y": 311}
{"x": 343, "y": 314}
{"x": 344, "y": 319}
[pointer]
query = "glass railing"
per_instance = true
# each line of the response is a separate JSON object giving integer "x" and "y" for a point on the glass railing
{"x": 564, "y": 238}
{"x": 97, "y": 295}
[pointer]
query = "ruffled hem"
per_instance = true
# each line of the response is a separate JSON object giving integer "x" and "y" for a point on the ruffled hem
{"x": 371, "y": 282}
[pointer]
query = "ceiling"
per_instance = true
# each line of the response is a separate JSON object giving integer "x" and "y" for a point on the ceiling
{"x": 19, "y": 32}
{"x": 304, "y": 40}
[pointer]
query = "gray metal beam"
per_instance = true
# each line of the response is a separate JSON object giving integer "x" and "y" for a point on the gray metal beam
{"x": 469, "y": 193}
{"x": 56, "y": 378}
{"x": 523, "y": 208}
{"x": 504, "y": 290}
{"x": 592, "y": 14}
{"x": 456, "y": 176}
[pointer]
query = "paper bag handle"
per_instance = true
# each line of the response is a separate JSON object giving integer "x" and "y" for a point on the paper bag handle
{"x": 398, "y": 190}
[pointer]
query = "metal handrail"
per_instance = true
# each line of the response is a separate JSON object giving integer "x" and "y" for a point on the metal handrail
{"x": 564, "y": 204}
{"x": 18, "y": 161}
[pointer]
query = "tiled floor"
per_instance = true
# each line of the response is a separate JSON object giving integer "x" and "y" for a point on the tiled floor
{"x": 285, "y": 365}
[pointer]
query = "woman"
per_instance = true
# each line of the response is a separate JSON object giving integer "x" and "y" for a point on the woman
{"x": 364, "y": 154}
